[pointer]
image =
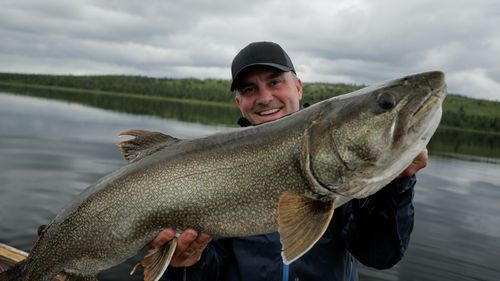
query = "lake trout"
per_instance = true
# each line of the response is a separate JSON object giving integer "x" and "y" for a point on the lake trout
{"x": 287, "y": 175}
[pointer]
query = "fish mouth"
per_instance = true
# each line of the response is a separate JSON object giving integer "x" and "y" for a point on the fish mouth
{"x": 428, "y": 105}
{"x": 436, "y": 95}
{"x": 424, "y": 111}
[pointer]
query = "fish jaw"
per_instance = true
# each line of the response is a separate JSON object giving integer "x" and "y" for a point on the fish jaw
{"x": 367, "y": 138}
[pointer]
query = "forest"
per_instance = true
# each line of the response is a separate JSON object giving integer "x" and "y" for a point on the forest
{"x": 459, "y": 112}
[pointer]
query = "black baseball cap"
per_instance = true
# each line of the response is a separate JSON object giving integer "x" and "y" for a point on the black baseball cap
{"x": 260, "y": 53}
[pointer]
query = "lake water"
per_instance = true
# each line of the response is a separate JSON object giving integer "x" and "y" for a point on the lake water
{"x": 50, "y": 151}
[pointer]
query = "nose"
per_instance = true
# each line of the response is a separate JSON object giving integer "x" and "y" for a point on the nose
{"x": 265, "y": 96}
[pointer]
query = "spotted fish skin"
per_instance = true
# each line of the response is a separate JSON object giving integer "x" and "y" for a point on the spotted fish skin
{"x": 286, "y": 175}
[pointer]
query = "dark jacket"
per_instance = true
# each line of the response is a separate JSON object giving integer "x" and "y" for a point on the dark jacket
{"x": 374, "y": 231}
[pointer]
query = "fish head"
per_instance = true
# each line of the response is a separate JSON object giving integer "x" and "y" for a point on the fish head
{"x": 363, "y": 140}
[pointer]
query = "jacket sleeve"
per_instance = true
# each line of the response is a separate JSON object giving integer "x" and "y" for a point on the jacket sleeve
{"x": 377, "y": 232}
{"x": 209, "y": 267}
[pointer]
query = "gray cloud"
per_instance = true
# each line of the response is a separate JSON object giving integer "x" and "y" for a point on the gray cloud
{"x": 330, "y": 41}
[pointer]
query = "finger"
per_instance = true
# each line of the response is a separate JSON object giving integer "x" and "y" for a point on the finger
{"x": 423, "y": 156}
{"x": 163, "y": 237}
{"x": 420, "y": 161}
{"x": 198, "y": 245}
{"x": 193, "y": 252}
{"x": 187, "y": 237}
{"x": 196, "y": 248}
{"x": 408, "y": 172}
{"x": 417, "y": 164}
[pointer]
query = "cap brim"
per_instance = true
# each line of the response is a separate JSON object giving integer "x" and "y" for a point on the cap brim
{"x": 278, "y": 66}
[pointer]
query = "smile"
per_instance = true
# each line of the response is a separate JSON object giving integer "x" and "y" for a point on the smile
{"x": 269, "y": 111}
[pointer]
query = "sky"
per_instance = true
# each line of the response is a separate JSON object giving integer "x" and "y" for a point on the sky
{"x": 346, "y": 41}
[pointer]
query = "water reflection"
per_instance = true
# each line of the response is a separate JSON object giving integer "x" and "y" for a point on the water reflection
{"x": 143, "y": 105}
{"x": 50, "y": 151}
{"x": 457, "y": 226}
{"x": 450, "y": 142}
{"x": 458, "y": 142}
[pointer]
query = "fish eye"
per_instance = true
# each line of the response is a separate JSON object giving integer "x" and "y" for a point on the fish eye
{"x": 386, "y": 100}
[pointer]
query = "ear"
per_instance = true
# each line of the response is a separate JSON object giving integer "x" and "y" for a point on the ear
{"x": 298, "y": 84}
{"x": 237, "y": 100}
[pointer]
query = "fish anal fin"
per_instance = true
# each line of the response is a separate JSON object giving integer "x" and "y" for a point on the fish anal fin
{"x": 301, "y": 223}
{"x": 144, "y": 143}
{"x": 156, "y": 261}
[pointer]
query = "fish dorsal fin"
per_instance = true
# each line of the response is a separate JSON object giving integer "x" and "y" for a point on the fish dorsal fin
{"x": 156, "y": 261}
{"x": 41, "y": 230}
{"x": 301, "y": 223}
{"x": 144, "y": 143}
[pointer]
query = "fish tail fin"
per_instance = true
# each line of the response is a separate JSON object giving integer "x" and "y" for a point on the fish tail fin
{"x": 14, "y": 273}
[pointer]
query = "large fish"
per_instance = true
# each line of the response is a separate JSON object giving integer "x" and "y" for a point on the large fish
{"x": 287, "y": 175}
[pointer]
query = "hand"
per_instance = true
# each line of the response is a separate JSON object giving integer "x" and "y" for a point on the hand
{"x": 418, "y": 163}
{"x": 190, "y": 246}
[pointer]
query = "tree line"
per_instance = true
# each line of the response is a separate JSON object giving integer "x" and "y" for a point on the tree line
{"x": 459, "y": 112}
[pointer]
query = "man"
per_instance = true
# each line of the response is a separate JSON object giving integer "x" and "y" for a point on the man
{"x": 374, "y": 230}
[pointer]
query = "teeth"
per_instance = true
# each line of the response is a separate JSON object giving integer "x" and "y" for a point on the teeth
{"x": 268, "y": 112}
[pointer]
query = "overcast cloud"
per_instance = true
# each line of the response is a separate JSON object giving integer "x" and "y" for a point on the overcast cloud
{"x": 351, "y": 41}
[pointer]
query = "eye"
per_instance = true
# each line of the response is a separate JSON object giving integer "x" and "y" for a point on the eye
{"x": 274, "y": 82}
{"x": 246, "y": 90}
{"x": 386, "y": 101}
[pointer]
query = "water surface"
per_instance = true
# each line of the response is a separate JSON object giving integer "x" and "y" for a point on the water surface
{"x": 50, "y": 151}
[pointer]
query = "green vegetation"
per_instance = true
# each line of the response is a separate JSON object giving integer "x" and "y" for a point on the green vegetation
{"x": 455, "y": 142}
{"x": 203, "y": 90}
{"x": 170, "y": 97}
{"x": 471, "y": 114}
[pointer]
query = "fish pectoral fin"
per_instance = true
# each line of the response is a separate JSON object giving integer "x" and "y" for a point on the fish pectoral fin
{"x": 64, "y": 276}
{"x": 144, "y": 143}
{"x": 156, "y": 261}
{"x": 301, "y": 223}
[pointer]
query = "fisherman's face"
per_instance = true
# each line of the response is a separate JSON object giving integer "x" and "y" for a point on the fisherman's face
{"x": 265, "y": 94}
